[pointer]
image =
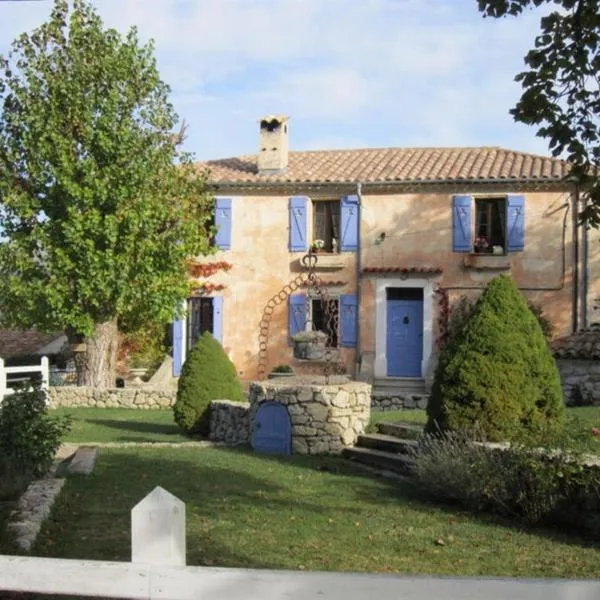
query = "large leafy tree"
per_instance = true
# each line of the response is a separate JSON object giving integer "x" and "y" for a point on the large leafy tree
{"x": 99, "y": 208}
{"x": 561, "y": 86}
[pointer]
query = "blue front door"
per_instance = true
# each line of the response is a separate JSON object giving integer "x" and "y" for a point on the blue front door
{"x": 272, "y": 431}
{"x": 404, "y": 338}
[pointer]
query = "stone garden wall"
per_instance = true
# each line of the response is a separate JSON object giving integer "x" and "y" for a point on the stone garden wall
{"x": 324, "y": 417}
{"x": 229, "y": 422}
{"x": 143, "y": 399}
{"x": 382, "y": 401}
{"x": 580, "y": 381}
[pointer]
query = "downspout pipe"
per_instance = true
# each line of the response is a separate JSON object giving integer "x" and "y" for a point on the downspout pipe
{"x": 358, "y": 360}
{"x": 586, "y": 258}
{"x": 575, "y": 238}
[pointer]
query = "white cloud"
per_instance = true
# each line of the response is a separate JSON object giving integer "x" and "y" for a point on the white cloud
{"x": 372, "y": 72}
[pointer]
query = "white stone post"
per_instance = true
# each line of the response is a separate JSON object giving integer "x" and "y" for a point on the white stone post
{"x": 2, "y": 380}
{"x": 158, "y": 530}
{"x": 45, "y": 373}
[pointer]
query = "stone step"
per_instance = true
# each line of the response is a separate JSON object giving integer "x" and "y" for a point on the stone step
{"x": 399, "y": 463}
{"x": 386, "y": 443}
{"x": 400, "y": 430}
{"x": 400, "y": 382}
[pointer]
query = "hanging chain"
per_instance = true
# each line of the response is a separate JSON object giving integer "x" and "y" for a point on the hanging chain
{"x": 316, "y": 287}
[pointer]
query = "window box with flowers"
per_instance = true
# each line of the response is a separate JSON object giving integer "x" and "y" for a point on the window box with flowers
{"x": 318, "y": 246}
{"x": 309, "y": 345}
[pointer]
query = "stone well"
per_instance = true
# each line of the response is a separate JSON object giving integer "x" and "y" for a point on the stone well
{"x": 325, "y": 417}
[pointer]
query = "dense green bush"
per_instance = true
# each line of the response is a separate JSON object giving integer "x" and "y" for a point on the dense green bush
{"x": 29, "y": 437}
{"x": 497, "y": 374}
{"x": 207, "y": 375}
{"x": 523, "y": 481}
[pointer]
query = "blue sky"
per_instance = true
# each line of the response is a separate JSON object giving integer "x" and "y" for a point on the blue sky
{"x": 349, "y": 73}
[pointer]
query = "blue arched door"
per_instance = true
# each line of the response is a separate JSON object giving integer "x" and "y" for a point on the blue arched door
{"x": 272, "y": 431}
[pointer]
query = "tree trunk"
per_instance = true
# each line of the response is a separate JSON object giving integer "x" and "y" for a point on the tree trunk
{"x": 101, "y": 356}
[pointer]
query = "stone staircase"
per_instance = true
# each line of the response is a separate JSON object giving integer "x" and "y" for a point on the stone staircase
{"x": 391, "y": 448}
{"x": 398, "y": 393}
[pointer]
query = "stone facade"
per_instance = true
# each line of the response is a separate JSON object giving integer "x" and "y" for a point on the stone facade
{"x": 229, "y": 422}
{"x": 140, "y": 398}
{"x": 384, "y": 402}
{"x": 324, "y": 417}
{"x": 580, "y": 381}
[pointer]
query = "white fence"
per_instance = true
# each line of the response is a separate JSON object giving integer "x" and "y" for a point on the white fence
{"x": 158, "y": 570}
{"x": 25, "y": 371}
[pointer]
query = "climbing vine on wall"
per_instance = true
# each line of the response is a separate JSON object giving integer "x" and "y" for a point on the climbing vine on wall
{"x": 208, "y": 269}
{"x": 443, "y": 317}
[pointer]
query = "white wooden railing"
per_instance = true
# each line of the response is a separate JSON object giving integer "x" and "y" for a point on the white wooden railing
{"x": 42, "y": 368}
{"x": 158, "y": 570}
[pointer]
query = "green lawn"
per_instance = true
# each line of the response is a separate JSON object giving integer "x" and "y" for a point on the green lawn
{"x": 121, "y": 425}
{"x": 247, "y": 510}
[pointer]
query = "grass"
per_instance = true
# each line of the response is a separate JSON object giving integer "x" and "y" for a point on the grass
{"x": 248, "y": 510}
{"x": 580, "y": 421}
{"x": 121, "y": 425}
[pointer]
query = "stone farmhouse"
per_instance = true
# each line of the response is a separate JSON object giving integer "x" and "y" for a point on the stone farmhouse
{"x": 403, "y": 234}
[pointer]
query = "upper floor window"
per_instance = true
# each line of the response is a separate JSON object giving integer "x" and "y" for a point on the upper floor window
{"x": 490, "y": 225}
{"x": 326, "y": 225}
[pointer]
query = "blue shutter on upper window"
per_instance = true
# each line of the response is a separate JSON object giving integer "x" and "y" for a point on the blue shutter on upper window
{"x": 217, "y": 305}
{"x": 348, "y": 319}
{"x": 349, "y": 223}
{"x": 223, "y": 223}
{"x": 178, "y": 340}
{"x": 515, "y": 223}
{"x": 297, "y": 315}
{"x": 298, "y": 224}
{"x": 461, "y": 224}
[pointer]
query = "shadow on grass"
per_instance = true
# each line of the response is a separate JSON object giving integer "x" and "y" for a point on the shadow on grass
{"x": 91, "y": 519}
{"x": 138, "y": 426}
{"x": 261, "y": 511}
{"x": 407, "y": 491}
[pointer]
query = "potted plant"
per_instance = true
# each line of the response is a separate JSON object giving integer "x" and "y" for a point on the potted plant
{"x": 481, "y": 244}
{"x": 281, "y": 371}
{"x": 318, "y": 246}
{"x": 309, "y": 345}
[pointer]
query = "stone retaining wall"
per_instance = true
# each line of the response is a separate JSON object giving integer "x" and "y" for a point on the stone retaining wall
{"x": 229, "y": 422}
{"x": 580, "y": 381}
{"x": 143, "y": 399}
{"x": 383, "y": 402}
{"x": 324, "y": 417}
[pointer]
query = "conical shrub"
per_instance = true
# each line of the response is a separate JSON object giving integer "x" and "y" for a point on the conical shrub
{"x": 206, "y": 375}
{"x": 498, "y": 376}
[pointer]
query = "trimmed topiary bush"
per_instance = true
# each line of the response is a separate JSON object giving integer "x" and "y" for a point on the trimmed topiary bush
{"x": 498, "y": 375}
{"x": 207, "y": 375}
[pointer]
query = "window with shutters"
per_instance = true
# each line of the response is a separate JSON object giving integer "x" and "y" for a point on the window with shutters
{"x": 490, "y": 225}
{"x": 200, "y": 319}
{"x": 326, "y": 321}
{"x": 326, "y": 225}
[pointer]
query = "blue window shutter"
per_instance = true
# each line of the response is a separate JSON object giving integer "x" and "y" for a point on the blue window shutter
{"x": 178, "y": 335}
{"x": 223, "y": 223}
{"x": 515, "y": 223}
{"x": 218, "y": 318}
{"x": 349, "y": 223}
{"x": 348, "y": 319}
{"x": 461, "y": 224}
{"x": 298, "y": 224}
{"x": 297, "y": 315}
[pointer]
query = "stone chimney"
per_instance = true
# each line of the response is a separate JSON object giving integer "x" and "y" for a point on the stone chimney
{"x": 274, "y": 144}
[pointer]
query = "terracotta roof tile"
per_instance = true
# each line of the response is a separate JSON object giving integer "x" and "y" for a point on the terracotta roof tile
{"x": 17, "y": 342}
{"x": 584, "y": 344}
{"x": 402, "y": 165}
